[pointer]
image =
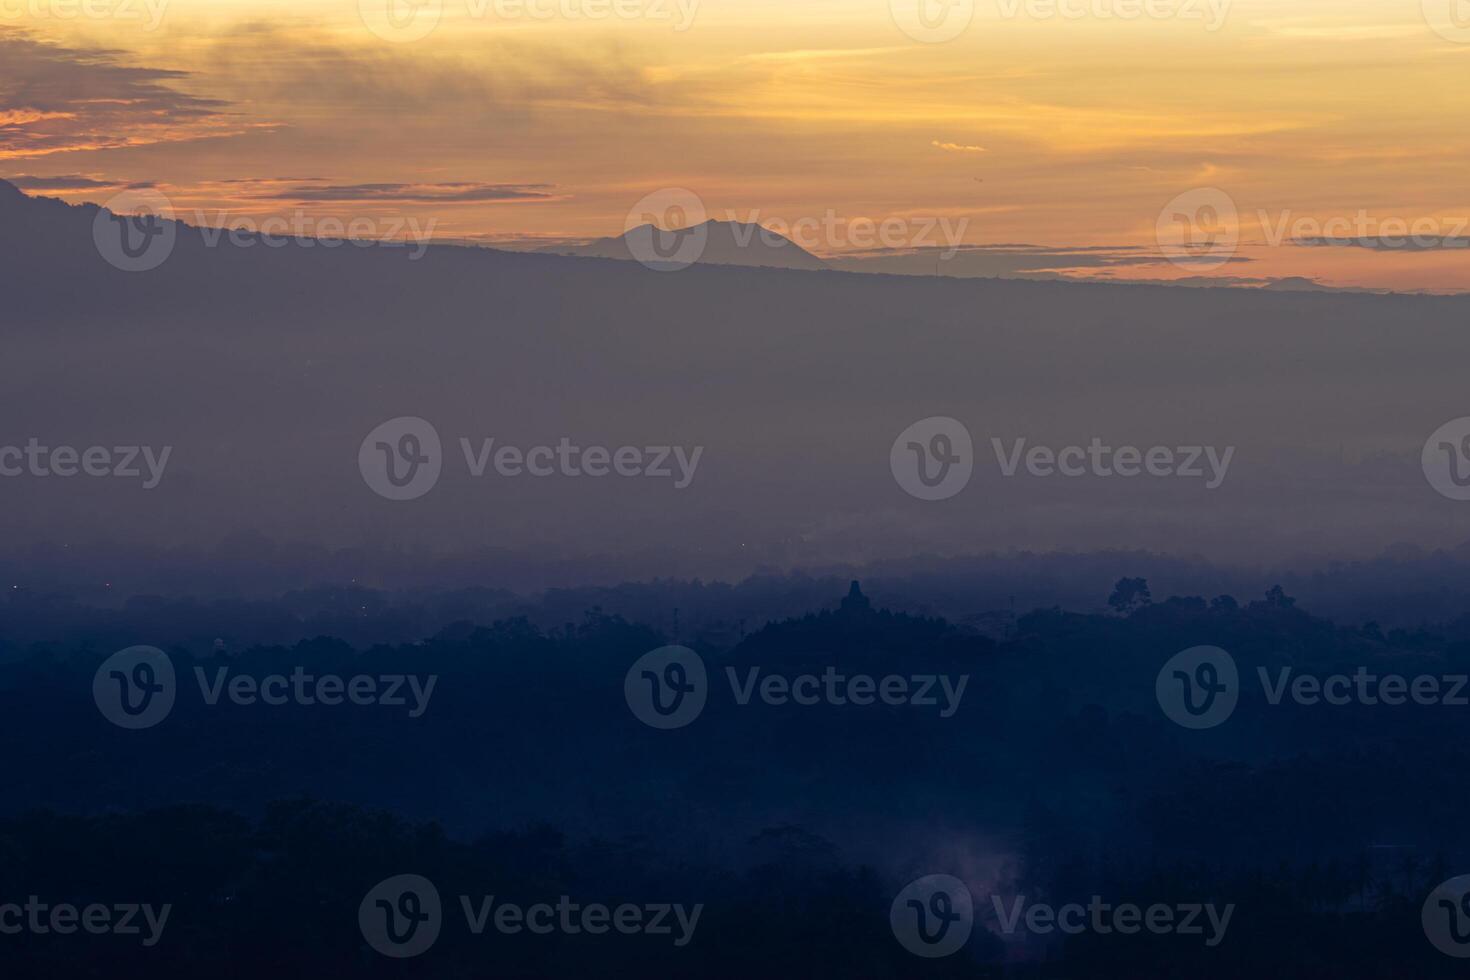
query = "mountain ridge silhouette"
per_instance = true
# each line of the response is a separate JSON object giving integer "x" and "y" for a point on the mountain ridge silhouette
{"x": 726, "y": 243}
{"x": 266, "y": 363}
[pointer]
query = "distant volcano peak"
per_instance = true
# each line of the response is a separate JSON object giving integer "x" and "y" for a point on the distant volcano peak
{"x": 714, "y": 242}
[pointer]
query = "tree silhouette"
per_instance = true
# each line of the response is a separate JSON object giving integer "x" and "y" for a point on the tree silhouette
{"x": 1129, "y": 595}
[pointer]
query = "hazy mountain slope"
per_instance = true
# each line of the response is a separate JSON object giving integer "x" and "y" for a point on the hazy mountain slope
{"x": 266, "y": 367}
{"x": 719, "y": 243}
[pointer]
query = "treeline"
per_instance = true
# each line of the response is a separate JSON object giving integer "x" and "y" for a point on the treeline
{"x": 1058, "y": 776}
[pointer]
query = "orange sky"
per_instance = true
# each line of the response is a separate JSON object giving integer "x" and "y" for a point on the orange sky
{"x": 1055, "y": 122}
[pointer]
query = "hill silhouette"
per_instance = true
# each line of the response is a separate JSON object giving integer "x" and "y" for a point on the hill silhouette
{"x": 794, "y": 820}
{"x": 721, "y": 243}
{"x": 265, "y": 363}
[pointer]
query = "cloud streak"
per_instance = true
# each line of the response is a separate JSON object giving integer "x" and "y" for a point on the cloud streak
{"x": 59, "y": 99}
{"x": 75, "y": 182}
{"x": 442, "y": 193}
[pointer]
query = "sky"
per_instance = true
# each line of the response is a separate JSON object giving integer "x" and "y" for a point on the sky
{"x": 1065, "y": 124}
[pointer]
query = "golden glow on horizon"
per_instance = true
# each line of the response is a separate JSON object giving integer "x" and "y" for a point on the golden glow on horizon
{"x": 1047, "y": 130}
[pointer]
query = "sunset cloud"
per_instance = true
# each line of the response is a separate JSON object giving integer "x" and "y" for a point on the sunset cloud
{"x": 1085, "y": 129}
{"x": 74, "y": 182}
{"x": 959, "y": 148}
{"x": 444, "y": 193}
{"x": 59, "y": 99}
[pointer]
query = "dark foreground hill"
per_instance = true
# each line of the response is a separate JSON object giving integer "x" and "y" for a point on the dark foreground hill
{"x": 528, "y": 777}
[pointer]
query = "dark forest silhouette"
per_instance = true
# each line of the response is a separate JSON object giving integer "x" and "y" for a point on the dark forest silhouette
{"x": 530, "y": 778}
